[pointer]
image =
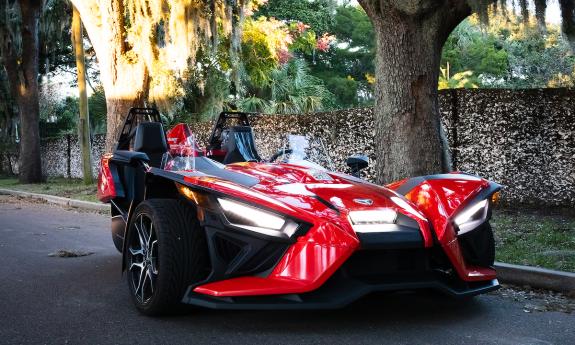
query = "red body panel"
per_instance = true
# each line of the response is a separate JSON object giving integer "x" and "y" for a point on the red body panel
{"x": 181, "y": 141}
{"x": 315, "y": 256}
{"x": 305, "y": 267}
{"x": 106, "y": 188}
{"x": 439, "y": 200}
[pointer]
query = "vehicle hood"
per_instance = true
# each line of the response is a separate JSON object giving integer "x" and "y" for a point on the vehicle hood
{"x": 307, "y": 188}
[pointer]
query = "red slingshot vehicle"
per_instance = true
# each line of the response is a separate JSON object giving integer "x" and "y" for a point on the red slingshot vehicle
{"x": 223, "y": 228}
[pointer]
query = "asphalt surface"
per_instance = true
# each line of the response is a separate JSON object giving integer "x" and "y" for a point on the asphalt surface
{"x": 84, "y": 300}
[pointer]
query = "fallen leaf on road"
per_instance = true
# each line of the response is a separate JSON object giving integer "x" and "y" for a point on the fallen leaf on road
{"x": 64, "y": 253}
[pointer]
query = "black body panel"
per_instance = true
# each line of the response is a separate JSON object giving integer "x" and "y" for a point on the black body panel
{"x": 401, "y": 237}
{"x": 333, "y": 295}
{"x": 405, "y": 233}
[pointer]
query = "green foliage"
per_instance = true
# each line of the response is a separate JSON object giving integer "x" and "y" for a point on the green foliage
{"x": 318, "y": 13}
{"x": 535, "y": 239}
{"x": 456, "y": 81}
{"x": 540, "y": 61}
{"x": 206, "y": 87}
{"x": 345, "y": 90}
{"x": 54, "y": 36}
{"x": 60, "y": 116}
{"x": 292, "y": 90}
{"x": 353, "y": 26}
{"x": 59, "y": 186}
{"x": 470, "y": 49}
{"x": 264, "y": 41}
{"x": 509, "y": 53}
{"x": 97, "y": 110}
{"x": 305, "y": 43}
{"x": 344, "y": 67}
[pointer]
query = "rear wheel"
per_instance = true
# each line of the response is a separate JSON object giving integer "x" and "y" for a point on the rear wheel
{"x": 478, "y": 246}
{"x": 166, "y": 252}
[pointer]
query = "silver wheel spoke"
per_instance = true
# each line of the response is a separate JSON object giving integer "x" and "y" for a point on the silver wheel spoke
{"x": 148, "y": 243}
{"x": 140, "y": 286}
{"x": 143, "y": 258}
{"x": 139, "y": 265}
{"x": 150, "y": 279}
{"x": 153, "y": 260}
{"x": 141, "y": 236}
{"x": 144, "y": 234}
{"x": 136, "y": 251}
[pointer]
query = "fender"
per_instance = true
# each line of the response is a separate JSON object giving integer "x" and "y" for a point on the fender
{"x": 440, "y": 198}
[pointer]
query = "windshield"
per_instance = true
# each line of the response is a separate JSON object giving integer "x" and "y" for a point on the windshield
{"x": 305, "y": 151}
{"x": 183, "y": 149}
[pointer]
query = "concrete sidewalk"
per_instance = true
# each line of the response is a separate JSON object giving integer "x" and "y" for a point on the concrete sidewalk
{"x": 58, "y": 200}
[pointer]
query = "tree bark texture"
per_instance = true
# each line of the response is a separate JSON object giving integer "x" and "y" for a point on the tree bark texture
{"x": 84, "y": 117}
{"x": 410, "y": 36}
{"x": 22, "y": 71}
{"x": 124, "y": 77}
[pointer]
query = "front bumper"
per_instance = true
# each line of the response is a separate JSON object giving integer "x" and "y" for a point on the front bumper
{"x": 366, "y": 271}
{"x": 335, "y": 293}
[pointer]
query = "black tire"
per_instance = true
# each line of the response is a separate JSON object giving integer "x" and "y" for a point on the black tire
{"x": 177, "y": 259}
{"x": 478, "y": 246}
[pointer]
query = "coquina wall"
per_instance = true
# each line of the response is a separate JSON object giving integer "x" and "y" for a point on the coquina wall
{"x": 524, "y": 140}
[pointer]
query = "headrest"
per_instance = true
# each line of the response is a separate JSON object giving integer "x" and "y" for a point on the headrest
{"x": 150, "y": 138}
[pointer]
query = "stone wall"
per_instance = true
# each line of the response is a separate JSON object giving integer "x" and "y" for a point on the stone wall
{"x": 524, "y": 140}
{"x": 61, "y": 157}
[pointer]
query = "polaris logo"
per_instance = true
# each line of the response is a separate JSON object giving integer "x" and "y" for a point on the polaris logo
{"x": 367, "y": 202}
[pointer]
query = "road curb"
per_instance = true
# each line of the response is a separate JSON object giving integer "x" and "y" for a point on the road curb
{"x": 540, "y": 278}
{"x": 58, "y": 200}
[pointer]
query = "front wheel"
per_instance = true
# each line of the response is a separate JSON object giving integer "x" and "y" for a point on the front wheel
{"x": 166, "y": 252}
{"x": 478, "y": 246}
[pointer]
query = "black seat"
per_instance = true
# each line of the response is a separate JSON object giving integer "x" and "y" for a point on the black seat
{"x": 150, "y": 138}
{"x": 240, "y": 145}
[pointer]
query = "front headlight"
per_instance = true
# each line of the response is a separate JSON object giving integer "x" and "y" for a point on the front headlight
{"x": 257, "y": 220}
{"x": 472, "y": 217}
{"x": 372, "y": 220}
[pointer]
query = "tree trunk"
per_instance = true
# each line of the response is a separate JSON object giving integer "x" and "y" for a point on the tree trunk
{"x": 128, "y": 95}
{"x": 407, "y": 123}
{"x": 568, "y": 21}
{"x": 125, "y": 78}
{"x": 84, "y": 119}
{"x": 27, "y": 95}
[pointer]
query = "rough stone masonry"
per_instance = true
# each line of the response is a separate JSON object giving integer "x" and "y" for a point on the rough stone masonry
{"x": 523, "y": 139}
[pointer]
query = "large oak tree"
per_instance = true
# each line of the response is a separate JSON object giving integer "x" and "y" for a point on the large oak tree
{"x": 143, "y": 46}
{"x": 410, "y": 35}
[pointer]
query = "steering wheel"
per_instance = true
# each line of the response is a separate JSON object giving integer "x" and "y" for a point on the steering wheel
{"x": 282, "y": 152}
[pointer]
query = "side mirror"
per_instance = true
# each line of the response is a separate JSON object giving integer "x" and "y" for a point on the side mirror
{"x": 357, "y": 163}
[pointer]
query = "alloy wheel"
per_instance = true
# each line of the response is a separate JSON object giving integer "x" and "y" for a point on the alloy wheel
{"x": 143, "y": 258}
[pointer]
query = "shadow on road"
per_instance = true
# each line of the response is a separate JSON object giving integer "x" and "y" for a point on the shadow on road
{"x": 411, "y": 308}
{"x": 377, "y": 309}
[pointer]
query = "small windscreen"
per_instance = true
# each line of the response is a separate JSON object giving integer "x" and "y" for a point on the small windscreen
{"x": 305, "y": 151}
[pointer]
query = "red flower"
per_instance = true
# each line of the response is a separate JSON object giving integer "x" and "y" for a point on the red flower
{"x": 323, "y": 43}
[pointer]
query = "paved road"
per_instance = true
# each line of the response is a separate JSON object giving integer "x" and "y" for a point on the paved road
{"x": 84, "y": 300}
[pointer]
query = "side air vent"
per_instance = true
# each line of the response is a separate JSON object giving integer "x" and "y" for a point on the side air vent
{"x": 226, "y": 249}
